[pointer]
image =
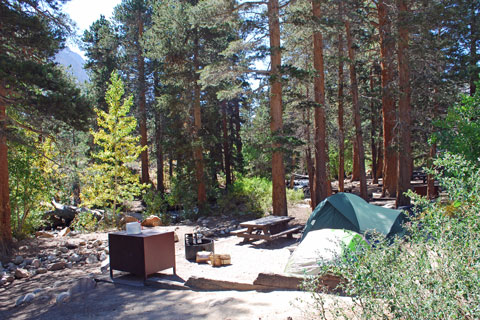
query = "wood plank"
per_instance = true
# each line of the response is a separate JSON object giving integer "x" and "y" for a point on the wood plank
{"x": 200, "y": 283}
{"x": 278, "y": 281}
{"x": 286, "y": 232}
{"x": 239, "y": 231}
{"x": 266, "y": 221}
{"x": 254, "y": 236}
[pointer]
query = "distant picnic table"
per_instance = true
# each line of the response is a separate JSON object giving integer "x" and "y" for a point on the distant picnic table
{"x": 267, "y": 228}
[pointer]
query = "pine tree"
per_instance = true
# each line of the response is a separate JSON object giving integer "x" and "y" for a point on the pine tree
{"x": 133, "y": 16}
{"x": 101, "y": 43}
{"x": 30, "y": 83}
{"x": 109, "y": 180}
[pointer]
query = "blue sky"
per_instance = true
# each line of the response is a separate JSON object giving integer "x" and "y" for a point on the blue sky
{"x": 85, "y": 12}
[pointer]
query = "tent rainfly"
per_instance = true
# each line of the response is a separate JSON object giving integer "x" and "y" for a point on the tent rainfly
{"x": 350, "y": 212}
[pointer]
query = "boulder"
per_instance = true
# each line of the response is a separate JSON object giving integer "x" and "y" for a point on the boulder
{"x": 64, "y": 232}
{"x": 63, "y": 249}
{"x": 9, "y": 278}
{"x": 74, "y": 258}
{"x": 91, "y": 259}
{"x": 105, "y": 265}
{"x": 21, "y": 273}
{"x": 82, "y": 286}
{"x": 29, "y": 297}
{"x": 62, "y": 297}
{"x": 152, "y": 221}
{"x": 36, "y": 263}
{"x": 97, "y": 243}
{"x": 43, "y": 234}
{"x": 18, "y": 260}
{"x": 41, "y": 270}
{"x": 102, "y": 256}
{"x": 126, "y": 219}
{"x": 71, "y": 245}
{"x": 56, "y": 266}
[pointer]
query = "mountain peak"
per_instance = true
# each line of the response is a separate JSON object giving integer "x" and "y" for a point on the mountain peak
{"x": 73, "y": 62}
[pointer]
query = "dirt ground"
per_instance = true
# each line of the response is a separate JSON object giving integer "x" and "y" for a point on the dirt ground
{"x": 135, "y": 301}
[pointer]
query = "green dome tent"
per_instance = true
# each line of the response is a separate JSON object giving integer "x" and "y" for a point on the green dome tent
{"x": 350, "y": 212}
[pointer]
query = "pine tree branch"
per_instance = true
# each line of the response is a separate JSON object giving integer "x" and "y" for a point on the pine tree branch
{"x": 249, "y": 5}
{"x": 23, "y": 126}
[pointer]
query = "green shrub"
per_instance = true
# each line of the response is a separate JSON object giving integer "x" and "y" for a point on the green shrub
{"x": 252, "y": 195}
{"x": 84, "y": 221}
{"x": 30, "y": 189}
{"x": 157, "y": 204}
{"x": 433, "y": 273}
{"x": 459, "y": 131}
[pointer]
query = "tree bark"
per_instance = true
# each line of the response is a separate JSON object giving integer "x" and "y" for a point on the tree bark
{"x": 158, "y": 137}
{"x": 430, "y": 179}
{"x": 355, "y": 164}
{"x": 341, "y": 129}
{"x": 238, "y": 138}
{"x": 320, "y": 184}
{"x": 5, "y": 212}
{"x": 308, "y": 155}
{"x": 387, "y": 49}
{"x": 380, "y": 159}
{"x": 373, "y": 131}
{"x": 158, "y": 142}
{"x": 356, "y": 114}
{"x": 292, "y": 176}
{"x": 226, "y": 146}
{"x": 404, "y": 109}
{"x": 142, "y": 102}
{"x": 279, "y": 194}
{"x": 197, "y": 126}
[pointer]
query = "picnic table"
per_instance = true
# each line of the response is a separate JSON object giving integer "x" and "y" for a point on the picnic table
{"x": 267, "y": 228}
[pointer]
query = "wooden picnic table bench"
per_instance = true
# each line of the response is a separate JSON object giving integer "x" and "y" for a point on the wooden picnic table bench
{"x": 267, "y": 228}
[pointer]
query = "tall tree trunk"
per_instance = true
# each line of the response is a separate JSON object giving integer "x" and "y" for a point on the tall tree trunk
{"x": 356, "y": 113}
{"x": 142, "y": 102}
{"x": 226, "y": 146}
{"x": 292, "y": 176}
{"x": 380, "y": 144}
{"x": 238, "y": 138}
{"x": 279, "y": 193}
{"x": 5, "y": 212}
{"x": 373, "y": 130}
{"x": 197, "y": 126}
{"x": 355, "y": 163}
{"x": 404, "y": 109}
{"x": 387, "y": 49}
{"x": 432, "y": 153}
{"x": 308, "y": 155}
{"x": 159, "y": 146}
{"x": 380, "y": 158}
{"x": 341, "y": 129}
{"x": 430, "y": 178}
{"x": 320, "y": 184}
{"x": 158, "y": 136}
